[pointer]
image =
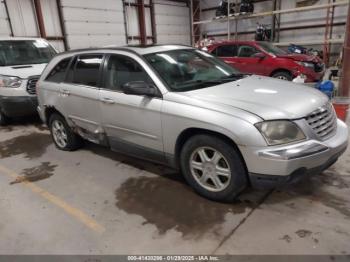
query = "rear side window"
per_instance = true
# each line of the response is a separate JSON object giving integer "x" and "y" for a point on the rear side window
{"x": 58, "y": 73}
{"x": 85, "y": 70}
{"x": 226, "y": 51}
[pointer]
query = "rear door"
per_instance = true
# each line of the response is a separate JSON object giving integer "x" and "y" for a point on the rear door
{"x": 80, "y": 92}
{"x": 132, "y": 122}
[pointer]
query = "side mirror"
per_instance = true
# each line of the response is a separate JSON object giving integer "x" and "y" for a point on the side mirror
{"x": 140, "y": 88}
{"x": 261, "y": 56}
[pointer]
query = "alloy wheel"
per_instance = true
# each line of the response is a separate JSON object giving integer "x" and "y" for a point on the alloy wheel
{"x": 210, "y": 169}
{"x": 59, "y": 133}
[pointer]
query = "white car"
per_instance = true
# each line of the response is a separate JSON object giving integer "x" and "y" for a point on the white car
{"x": 22, "y": 61}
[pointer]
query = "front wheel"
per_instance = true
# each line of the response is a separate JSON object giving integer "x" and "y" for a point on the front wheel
{"x": 62, "y": 135}
{"x": 213, "y": 168}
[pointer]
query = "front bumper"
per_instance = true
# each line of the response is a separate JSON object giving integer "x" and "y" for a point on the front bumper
{"x": 285, "y": 164}
{"x": 311, "y": 75}
{"x": 15, "y": 106}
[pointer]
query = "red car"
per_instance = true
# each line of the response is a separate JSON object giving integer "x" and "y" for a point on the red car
{"x": 263, "y": 58}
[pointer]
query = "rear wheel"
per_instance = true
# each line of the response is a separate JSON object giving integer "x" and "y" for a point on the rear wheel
{"x": 283, "y": 75}
{"x": 213, "y": 168}
{"x": 62, "y": 135}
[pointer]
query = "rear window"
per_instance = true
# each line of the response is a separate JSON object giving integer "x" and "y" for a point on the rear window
{"x": 58, "y": 73}
{"x": 25, "y": 52}
{"x": 85, "y": 70}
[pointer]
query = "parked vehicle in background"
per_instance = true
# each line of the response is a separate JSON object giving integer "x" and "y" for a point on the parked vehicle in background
{"x": 21, "y": 62}
{"x": 263, "y": 58}
{"x": 183, "y": 107}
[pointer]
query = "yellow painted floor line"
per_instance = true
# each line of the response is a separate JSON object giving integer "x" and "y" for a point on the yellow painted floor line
{"x": 76, "y": 213}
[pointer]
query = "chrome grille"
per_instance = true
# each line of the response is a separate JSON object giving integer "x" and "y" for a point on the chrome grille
{"x": 323, "y": 121}
{"x": 31, "y": 84}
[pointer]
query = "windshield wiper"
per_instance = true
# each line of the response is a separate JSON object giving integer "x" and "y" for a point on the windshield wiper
{"x": 234, "y": 76}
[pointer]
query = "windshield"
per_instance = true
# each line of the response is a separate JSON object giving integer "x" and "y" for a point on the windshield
{"x": 191, "y": 69}
{"x": 270, "y": 48}
{"x": 24, "y": 52}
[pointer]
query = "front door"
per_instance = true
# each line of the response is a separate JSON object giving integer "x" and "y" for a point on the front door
{"x": 132, "y": 122}
{"x": 248, "y": 63}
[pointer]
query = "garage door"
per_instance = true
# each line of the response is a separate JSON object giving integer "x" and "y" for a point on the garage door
{"x": 91, "y": 23}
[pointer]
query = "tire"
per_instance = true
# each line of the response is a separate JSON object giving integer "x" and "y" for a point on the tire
{"x": 227, "y": 158}
{"x": 62, "y": 135}
{"x": 3, "y": 119}
{"x": 283, "y": 75}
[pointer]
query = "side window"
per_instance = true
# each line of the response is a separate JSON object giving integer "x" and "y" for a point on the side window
{"x": 246, "y": 51}
{"x": 85, "y": 70}
{"x": 226, "y": 51}
{"x": 121, "y": 70}
{"x": 58, "y": 73}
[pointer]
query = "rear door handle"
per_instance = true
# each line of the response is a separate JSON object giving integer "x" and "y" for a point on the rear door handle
{"x": 107, "y": 100}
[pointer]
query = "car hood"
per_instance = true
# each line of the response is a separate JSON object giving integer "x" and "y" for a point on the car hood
{"x": 301, "y": 58}
{"x": 265, "y": 97}
{"x": 22, "y": 71}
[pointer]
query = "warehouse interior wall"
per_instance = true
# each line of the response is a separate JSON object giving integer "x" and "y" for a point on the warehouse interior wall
{"x": 91, "y": 23}
{"x": 307, "y": 18}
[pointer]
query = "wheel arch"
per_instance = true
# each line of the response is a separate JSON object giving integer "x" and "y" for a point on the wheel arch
{"x": 281, "y": 70}
{"x": 49, "y": 111}
{"x": 186, "y": 134}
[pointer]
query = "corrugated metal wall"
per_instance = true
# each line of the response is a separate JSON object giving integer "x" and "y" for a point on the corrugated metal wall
{"x": 172, "y": 22}
{"x": 4, "y": 25}
{"x": 22, "y": 17}
{"x": 92, "y": 23}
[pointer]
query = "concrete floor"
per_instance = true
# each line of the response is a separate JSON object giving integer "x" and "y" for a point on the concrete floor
{"x": 94, "y": 201}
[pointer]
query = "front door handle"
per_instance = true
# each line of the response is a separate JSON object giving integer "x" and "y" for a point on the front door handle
{"x": 107, "y": 100}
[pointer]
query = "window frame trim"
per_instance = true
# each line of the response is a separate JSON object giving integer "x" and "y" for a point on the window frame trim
{"x": 104, "y": 74}
{"x": 65, "y": 73}
{"x": 100, "y": 70}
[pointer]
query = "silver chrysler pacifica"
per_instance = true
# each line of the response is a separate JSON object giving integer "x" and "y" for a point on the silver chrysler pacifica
{"x": 182, "y": 107}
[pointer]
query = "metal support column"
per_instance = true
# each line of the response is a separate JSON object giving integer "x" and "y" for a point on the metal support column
{"x": 142, "y": 23}
{"x": 153, "y": 22}
{"x": 195, "y": 15}
{"x": 39, "y": 18}
{"x": 62, "y": 24}
{"x": 345, "y": 80}
{"x": 8, "y": 18}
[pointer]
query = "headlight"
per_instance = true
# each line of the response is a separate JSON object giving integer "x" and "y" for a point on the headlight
{"x": 280, "y": 132}
{"x": 306, "y": 64}
{"x": 10, "y": 81}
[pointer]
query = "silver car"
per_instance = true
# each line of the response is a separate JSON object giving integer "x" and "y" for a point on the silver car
{"x": 185, "y": 108}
